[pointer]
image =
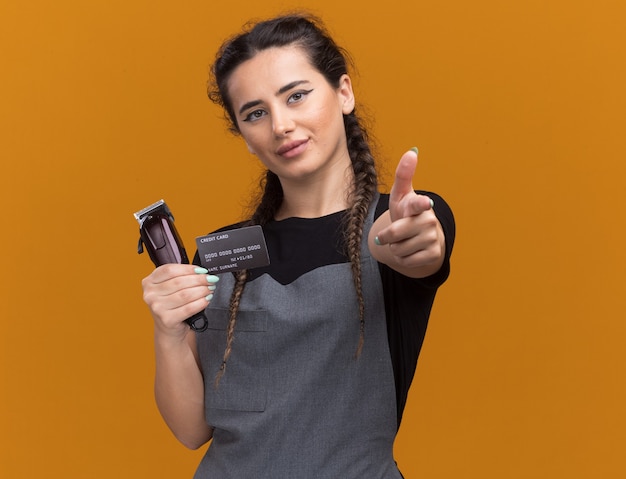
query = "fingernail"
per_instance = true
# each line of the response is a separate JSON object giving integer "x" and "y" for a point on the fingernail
{"x": 212, "y": 279}
{"x": 209, "y": 297}
{"x": 377, "y": 241}
{"x": 200, "y": 270}
{"x": 415, "y": 150}
{"x": 212, "y": 287}
{"x": 432, "y": 203}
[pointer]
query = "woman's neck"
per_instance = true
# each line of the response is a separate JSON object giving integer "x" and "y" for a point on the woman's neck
{"x": 316, "y": 198}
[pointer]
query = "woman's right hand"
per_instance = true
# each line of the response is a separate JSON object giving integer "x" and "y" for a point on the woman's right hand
{"x": 175, "y": 292}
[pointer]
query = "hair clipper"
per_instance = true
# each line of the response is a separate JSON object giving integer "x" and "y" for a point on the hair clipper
{"x": 160, "y": 238}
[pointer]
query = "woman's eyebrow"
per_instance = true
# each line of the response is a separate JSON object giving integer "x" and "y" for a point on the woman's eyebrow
{"x": 280, "y": 91}
{"x": 289, "y": 86}
{"x": 250, "y": 104}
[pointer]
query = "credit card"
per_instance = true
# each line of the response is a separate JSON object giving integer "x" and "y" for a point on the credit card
{"x": 233, "y": 250}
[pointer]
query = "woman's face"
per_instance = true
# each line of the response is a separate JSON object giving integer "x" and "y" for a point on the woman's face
{"x": 290, "y": 116}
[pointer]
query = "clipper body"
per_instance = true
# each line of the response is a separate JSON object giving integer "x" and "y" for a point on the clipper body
{"x": 158, "y": 235}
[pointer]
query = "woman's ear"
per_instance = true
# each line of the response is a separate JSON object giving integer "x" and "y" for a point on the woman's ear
{"x": 346, "y": 95}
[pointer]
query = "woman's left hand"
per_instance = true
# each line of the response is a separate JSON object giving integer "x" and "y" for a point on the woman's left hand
{"x": 408, "y": 237}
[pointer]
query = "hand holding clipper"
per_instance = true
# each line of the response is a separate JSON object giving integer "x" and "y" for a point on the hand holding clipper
{"x": 161, "y": 239}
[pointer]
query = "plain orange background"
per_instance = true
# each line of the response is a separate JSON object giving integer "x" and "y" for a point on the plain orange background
{"x": 518, "y": 111}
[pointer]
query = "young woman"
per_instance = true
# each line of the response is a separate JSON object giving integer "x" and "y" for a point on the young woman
{"x": 306, "y": 365}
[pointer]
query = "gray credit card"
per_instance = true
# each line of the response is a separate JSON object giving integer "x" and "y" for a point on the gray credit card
{"x": 233, "y": 250}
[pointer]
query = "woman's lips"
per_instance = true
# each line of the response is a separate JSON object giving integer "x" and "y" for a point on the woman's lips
{"x": 293, "y": 148}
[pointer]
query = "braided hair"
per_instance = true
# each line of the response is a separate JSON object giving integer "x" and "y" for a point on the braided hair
{"x": 308, "y": 33}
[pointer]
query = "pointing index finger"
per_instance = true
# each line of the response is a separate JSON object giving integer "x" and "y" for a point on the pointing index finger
{"x": 403, "y": 183}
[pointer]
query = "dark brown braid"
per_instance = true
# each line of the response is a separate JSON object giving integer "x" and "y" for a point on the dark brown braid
{"x": 269, "y": 202}
{"x": 359, "y": 201}
{"x": 235, "y": 298}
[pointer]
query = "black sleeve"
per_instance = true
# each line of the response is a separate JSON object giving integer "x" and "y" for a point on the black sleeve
{"x": 408, "y": 302}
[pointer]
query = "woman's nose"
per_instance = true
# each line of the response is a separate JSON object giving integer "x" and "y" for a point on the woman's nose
{"x": 282, "y": 123}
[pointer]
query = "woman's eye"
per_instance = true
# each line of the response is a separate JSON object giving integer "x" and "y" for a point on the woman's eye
{"x": 298, "y": 96}
{"x": 254, "y": 115}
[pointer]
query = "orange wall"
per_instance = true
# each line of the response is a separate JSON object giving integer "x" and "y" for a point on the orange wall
{"x": 518, "y": 111}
